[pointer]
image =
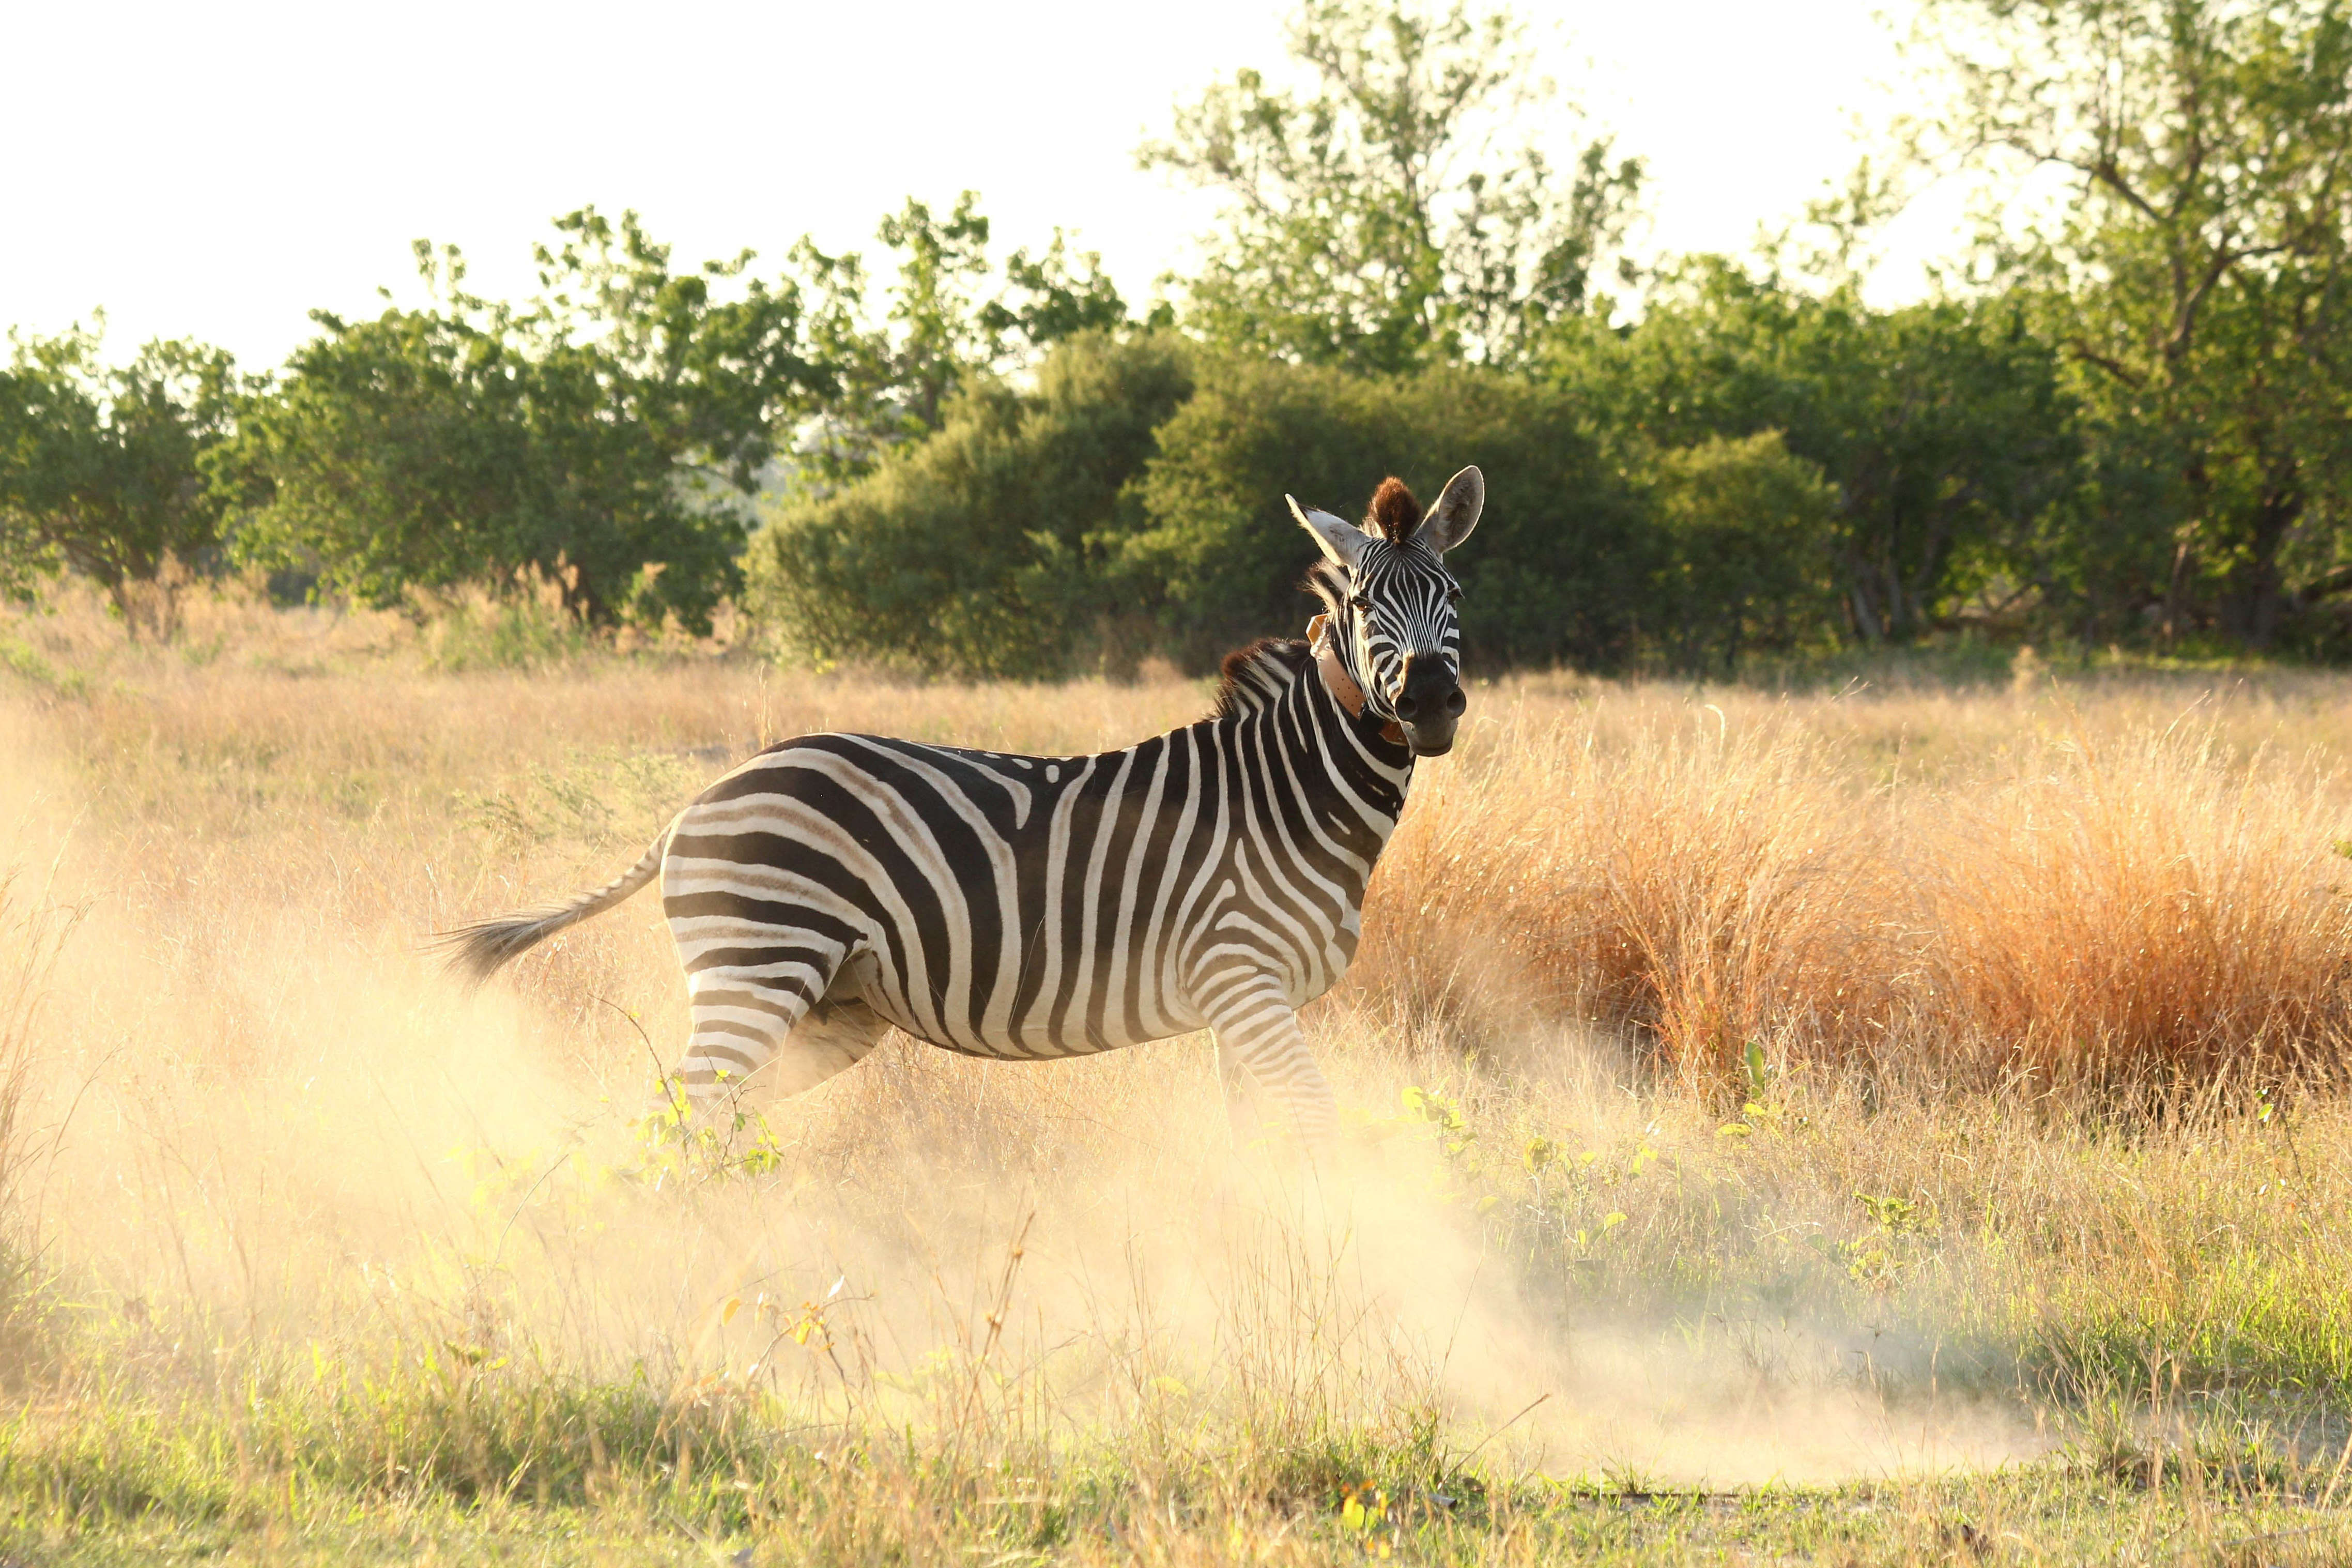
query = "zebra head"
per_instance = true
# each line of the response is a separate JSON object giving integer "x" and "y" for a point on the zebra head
{"x": 1390, "y": 602}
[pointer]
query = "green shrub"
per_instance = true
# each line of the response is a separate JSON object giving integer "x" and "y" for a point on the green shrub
{"x": 1559, "y": 569}
{"x": 1747, "y": 544}
{"x": 512, "y": 631}
{"x": 994, "y": 548}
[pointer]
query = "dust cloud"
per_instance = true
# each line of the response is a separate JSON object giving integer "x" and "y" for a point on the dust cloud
{"x": 269, "y": 1135}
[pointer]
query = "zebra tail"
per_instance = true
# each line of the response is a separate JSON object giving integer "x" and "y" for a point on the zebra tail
{"x": 475, "y": 951}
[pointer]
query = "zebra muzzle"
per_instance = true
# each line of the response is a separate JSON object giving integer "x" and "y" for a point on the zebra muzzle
{"x": 1429, "y": 704}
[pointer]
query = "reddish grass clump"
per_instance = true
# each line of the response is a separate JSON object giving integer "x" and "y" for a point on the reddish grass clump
{"x": 2151, "y": 911}
{"x": 2139, "y": 910}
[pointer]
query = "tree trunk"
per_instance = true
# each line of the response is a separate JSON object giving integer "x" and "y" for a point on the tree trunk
{"x": 2175, "y": 589}
{"x": 2257, "y": 603}
{"x": 1865, "y": 617}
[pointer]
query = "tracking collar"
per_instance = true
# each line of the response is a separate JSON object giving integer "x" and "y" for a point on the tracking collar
{"x": 1343, "y": 687}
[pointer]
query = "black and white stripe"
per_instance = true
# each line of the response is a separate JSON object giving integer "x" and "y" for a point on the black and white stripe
{"x": 1025, "y": 907}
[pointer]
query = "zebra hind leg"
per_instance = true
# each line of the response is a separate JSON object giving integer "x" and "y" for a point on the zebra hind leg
{"x": 757, "y": 1037}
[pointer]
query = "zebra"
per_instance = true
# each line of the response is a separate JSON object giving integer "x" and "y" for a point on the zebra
{"x": 834, "y": 886}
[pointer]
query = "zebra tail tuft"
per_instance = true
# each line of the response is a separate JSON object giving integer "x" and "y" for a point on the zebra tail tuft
{"x": 476, "y": 951}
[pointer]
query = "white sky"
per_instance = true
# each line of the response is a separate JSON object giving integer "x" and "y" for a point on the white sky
{"x": 216, "y": 169}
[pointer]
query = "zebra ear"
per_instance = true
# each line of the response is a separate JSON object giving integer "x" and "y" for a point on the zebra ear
{"x": 1340, "y": 541}
{"x": 1449, "y": 522}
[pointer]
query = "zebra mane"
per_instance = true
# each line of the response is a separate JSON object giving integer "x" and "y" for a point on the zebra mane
{"x": 1394, "y": 511}
{"x": 1252, "y": 677}
{"x": 1329, "y": 584}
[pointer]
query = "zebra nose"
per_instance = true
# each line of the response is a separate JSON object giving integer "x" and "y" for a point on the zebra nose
{"x": 1429, "y": 698}
{"x": 1412, "y": 705}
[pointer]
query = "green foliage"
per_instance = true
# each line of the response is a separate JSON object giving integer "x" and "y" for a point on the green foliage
{"x": 2195, "y": 274}
{"x": 994, "y": 548}
{"x": 98, "y": 463}
{"x": 1557, "y": 572}
{"x": 1943, "y": 425}
{"x": 2144, "y": 414}
{"x": 1709, "y": 534}
{"x": 2125, "y": 422}
{"x": 1364, "y": 225}
{"x": 674, "y": 1145}
{"x": 1134, "y": 501}
{"x": 1747, "y": 544}
{"x": 898, "y": 377}
{"x": 27, "y": 665}
{"x": 1881, "y": 1257}
{"x": 581, "y": 435}
{"x": 1442, "y": 1113}
{"x": 600, "y": 800}
{"x": 608, "y": 433}
{"x": 510, "y": 631}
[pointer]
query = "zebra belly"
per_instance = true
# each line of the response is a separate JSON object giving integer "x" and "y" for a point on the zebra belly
{"x": 1088, "y": 1020}
{"x": 1106, "y": 1006}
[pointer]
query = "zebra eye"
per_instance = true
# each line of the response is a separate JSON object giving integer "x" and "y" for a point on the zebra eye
{"x": 1361, "y": 601}
{"x": 1454, "y": 595}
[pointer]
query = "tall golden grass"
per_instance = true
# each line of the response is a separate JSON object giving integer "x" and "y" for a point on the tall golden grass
{"x": 2097, "y": 904}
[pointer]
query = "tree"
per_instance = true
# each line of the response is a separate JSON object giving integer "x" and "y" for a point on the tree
{"x": 1943, "y": 425}
{"x": 596, "y": 431}
{"x": 99, "y": 465}
{"x": 1561, "y": 566}
{"x": 2195, "y": 269}
{"x": 716, "y": 382}
{"x": 899, "y": 374}
{"x": 1748, "y": 558}
{"x": 1370, "y": 222}
{"x": 992, "y": 548}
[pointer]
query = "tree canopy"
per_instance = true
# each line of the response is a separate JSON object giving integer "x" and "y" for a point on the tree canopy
{"x": 896, "y": 376}
{"x": 1943, "y": 425}
{"x": 587, "y": 434}
{"x": 1372, "y": 220}
{"x": 2119, "y": 418}
{"x": 2194, "y": 273}
{"x": 99, "y": 466}
{"x": 994, "y": 548}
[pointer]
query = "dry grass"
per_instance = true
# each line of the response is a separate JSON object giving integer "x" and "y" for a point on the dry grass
{"x": 1809, "y": 1088}
{"x": 2102, "y": 895}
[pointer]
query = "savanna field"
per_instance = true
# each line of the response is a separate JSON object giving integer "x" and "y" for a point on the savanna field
{"x": 1883, "y": 1119}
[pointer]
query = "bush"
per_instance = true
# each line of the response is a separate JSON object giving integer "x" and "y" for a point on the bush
{"x": 1746, "y": 529}
{"x": 994, "y": 548}
{"x": 1944, "y": 424}
{"x": 620, "y": 420}
{"x": 525, "y": 626}
{"x": 98, "y": 468}
{"x": 1559, "y": 570}
{"x": 416, "y": 451}
{"x": 1134, "y": 503}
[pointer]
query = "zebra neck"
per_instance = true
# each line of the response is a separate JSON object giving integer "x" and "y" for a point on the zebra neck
{"x": 1304, "y": 739}
{"x": 1347, "y": 692}
{"x": 1349, "y": 756}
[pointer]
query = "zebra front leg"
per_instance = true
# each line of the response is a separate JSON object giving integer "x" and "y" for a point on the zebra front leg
{"x": 1243, "y": 1119}
{"x": 1257, "y": 1027}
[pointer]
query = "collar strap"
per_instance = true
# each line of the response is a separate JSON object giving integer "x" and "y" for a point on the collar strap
{"x": 1343, "y": 687}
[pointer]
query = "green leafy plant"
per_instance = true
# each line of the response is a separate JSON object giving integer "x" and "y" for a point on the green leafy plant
{"x": 1369, "y": 221}
{"x": 1441, "y": 1114}
{"x": 1894, "y": 1215}
{"x": 99, "y": 467}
